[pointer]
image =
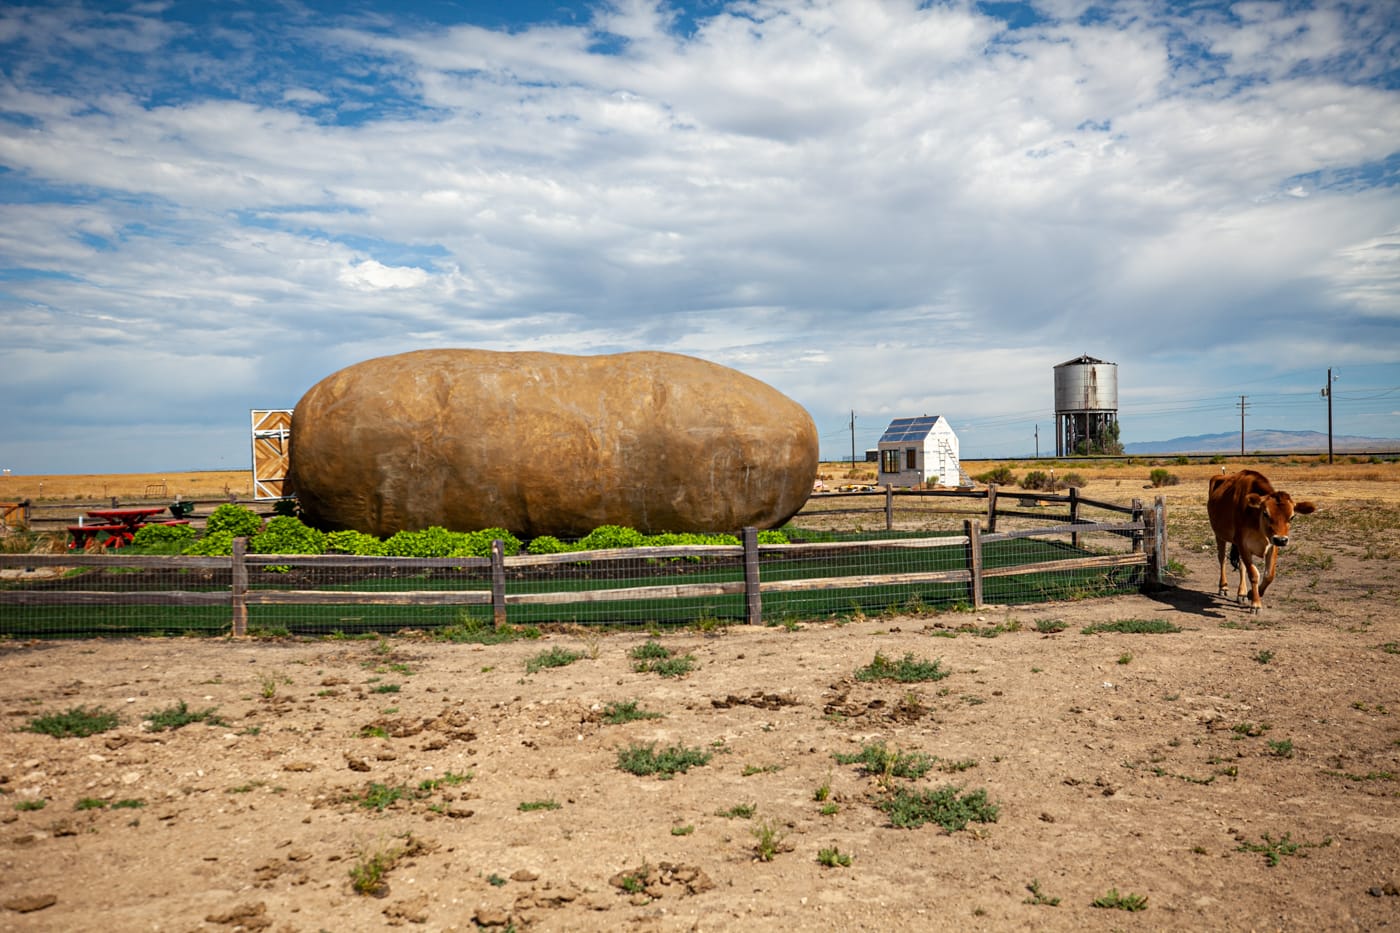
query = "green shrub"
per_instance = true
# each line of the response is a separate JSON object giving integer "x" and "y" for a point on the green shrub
{"x": 239, "y": 521}
{"x": 1001, "y": 476}
{"x": 172, "y": 538}
{"x": 1038, "y": 479}
{"x": 213, "y": 544}
{"x": 286, "y": 535}
{"x": 478, "y": 543}
{"x": 611, "y": 536}
{"x": 1163, "y": 477}
{"x": 548, "y": 544}
{"x": 1073, "y": 479}
{"x": 427, "y": 542}
{"x": 353, "y": 542}
{"x": 773, "y": 536}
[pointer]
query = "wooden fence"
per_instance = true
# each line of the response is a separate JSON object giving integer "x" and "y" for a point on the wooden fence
{"x": 1144, "y": 528}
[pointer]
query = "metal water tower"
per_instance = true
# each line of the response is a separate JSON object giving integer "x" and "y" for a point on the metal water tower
{"x": 1086, "y": 402}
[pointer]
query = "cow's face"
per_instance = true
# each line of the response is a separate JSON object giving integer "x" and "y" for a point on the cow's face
{"x": 1276, "y": 512}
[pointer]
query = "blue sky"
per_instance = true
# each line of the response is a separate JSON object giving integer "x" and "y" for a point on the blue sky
{"x": 886, "y": 208}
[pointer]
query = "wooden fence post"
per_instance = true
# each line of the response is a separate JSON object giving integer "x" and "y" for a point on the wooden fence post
{"x": 239, "y": 588}
{"x": 889, "y": 508}
{"x": 1138, "y": 517}
{"x": 974, "y": 561}
{"x": 1074, "y": 516}
{"x": 1153, "y": 575}
{"x": 498, "y": 583}
{"x": 1159, "y": 522}
{"x": 992, "y": 508}
{"x": 753, "y": 598}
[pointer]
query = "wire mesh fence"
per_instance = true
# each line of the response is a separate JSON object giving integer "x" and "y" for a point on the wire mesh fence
{"x": 847, "y": 556}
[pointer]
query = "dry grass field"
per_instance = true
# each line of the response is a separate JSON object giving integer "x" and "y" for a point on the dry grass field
{"x": 1055, "y": 767}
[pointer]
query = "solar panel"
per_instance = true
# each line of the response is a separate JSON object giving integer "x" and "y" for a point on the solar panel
{"x": 903, "y": 430}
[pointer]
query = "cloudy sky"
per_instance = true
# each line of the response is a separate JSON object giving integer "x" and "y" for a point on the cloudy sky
{"x": 884, "y": 207}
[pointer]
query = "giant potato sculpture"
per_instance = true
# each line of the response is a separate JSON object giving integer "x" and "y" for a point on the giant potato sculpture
{"x": 544, "y": 443}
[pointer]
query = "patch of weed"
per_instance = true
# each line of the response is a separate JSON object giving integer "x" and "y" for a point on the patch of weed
{"x": 37, "y": 803}
{"x": 1132, "y": 627}
{"x": 877, "y": 760}
{"x": 1274, "y": 850}
{"x": 617, "y": 713}
{"x": 180, "y": 715}
{"x": 1115, "y": 901}
{"x": 833, "y": 857}
{"x": 529, "y": 806}
{"x": 554, "y": 657}
{"x": 74, "y": 723}
{"x": 906, "y": 670}
{"x": 1038, "y": 897}
{"x": 645, "y": 759}
{"x": 740, "y": 811}
{"x": 909, "y": 809}
{"x": 1050, "y": 626}
{"x": 769, "y": 840}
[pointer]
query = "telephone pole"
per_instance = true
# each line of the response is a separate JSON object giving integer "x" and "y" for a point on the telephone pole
{"x": 1243, "y": 406}
{"x": 853, "y": 438}
{"x": 1327, "y": 394}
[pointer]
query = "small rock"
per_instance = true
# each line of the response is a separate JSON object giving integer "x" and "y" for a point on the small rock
{"x": 491, "y": 917}
{"x": 298, "y": 766}
{"x": 28, "y": 903}
{"x": 524, "y": 874}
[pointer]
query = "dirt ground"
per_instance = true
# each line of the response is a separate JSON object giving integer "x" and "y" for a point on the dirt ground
{"x": 1241, "y": 774}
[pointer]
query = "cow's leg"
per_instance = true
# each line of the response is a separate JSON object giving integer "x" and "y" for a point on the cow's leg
{"x": 1220, "y": 546}
{"x": 1255, "y": 590}
{"x": 1270, "y": 568}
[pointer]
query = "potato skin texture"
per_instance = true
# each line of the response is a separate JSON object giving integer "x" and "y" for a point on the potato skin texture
{"x": 548, "y": 443}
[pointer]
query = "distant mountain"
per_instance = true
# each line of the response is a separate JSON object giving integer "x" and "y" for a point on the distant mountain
{"x": 1264, "y": 441}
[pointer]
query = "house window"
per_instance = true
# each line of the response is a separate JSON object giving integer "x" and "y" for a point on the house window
{"x": 889, "y": 461}
{"x": 911, "y": 458}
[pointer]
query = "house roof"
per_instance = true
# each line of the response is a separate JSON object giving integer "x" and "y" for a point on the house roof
{"x": 902, "y": 430}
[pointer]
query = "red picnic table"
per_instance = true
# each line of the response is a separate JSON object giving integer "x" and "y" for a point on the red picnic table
{"x": 120, "y": 526}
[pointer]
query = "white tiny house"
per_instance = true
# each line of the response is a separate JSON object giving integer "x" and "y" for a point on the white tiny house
{"x": 914, "y": 451}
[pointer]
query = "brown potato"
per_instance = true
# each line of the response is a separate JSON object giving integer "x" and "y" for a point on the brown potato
{"x": 544, "y": 443}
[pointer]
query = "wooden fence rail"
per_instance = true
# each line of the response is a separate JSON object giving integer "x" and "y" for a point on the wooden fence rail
{"x": 1146, "y": 527}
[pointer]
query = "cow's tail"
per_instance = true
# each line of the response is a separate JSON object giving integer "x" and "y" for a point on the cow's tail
{"x": 1234, "y": 558}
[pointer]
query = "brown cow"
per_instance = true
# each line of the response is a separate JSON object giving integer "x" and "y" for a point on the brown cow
{"x": 1247, "y": 513}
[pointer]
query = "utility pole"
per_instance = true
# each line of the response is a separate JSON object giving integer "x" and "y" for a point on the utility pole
{"x": 1243, "y": 406}
{"x": 853, "y": 438}
{"x": 1037, "y": 440}
{"x": 1327, "y": 394}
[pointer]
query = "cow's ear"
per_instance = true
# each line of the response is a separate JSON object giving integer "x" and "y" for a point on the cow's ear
{"x": 1304, "y": 508}
{"x": 1254, "y": 500}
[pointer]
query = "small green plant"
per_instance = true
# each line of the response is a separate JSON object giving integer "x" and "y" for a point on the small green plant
{"x": 1250, "y": 730}
{"x": 180, "y": 715}
{"x": 1050, "y": 626}
{"x": 833, "y": 857}
{"x": 1264, "y": 657}
{"x": 643, "y": 760}
{"x": 74, "y": 723}
{"x": 1132, "y": 627}
{"x": 682, "y": 830}
{"x": 90, "y": 803}
{"x": 554, "y": 657}
{"x": 1125, "y": 658}
{"x": 529, "y": 806}
{"x": 1115, "y": 901}
{"x": 655, "y": 658}
{"x": 740, "y": 811}
{"x": 37, "y": 803}
{"x": 909, "y": 809}
{"x": 1163, "y": 477}
{"x": 369, "y": 873}
{"x": 1281, "y": 749}
{"x": 906, "y": 670}
{"x": 617, "y": 713}
{"x": 877, "y": 760}
{"x": 750, "y": 770}
{"x": 131, "y": 803}
{"x": 769, "y": 840}
{"x": 379, "y": 797}
{"x": 386, "y": 688}
{"x": 822, "y": 793}
{"x": 1038, "y": 897}
{"x": 1274, "y": 850}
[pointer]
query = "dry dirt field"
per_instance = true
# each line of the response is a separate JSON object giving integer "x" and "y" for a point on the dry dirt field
{"x": 1240, "y": 774}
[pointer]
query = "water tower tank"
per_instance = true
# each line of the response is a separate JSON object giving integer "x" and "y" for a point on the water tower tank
{"x": 1086, "y": 403}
